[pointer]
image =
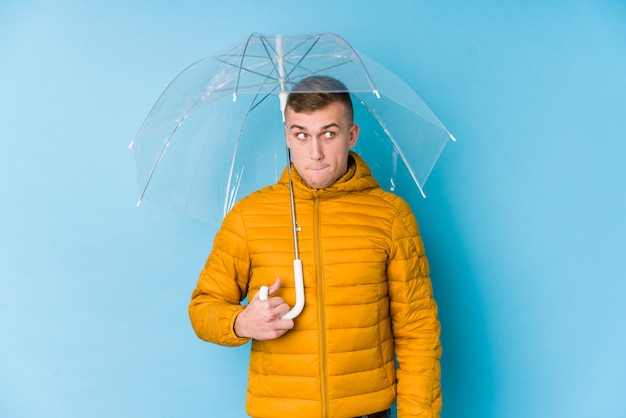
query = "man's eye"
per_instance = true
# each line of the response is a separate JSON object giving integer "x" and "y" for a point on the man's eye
{"x": 301, "y": 135}
{"x": 329, "y": 135}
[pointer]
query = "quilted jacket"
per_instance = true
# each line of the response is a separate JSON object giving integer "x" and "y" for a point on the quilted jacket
{"x": 368, "y": 296}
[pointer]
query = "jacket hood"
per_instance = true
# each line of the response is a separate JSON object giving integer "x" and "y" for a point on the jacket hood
{"x": 358, "y": 178}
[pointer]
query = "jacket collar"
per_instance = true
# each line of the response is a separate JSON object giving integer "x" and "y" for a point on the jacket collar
{"x": 357, "y": 178}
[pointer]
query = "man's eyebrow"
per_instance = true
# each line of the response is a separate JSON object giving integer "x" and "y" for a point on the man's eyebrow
{"x": 302, "y": 128}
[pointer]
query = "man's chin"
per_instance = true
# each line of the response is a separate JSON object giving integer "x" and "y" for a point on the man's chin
{"x": 318, "y": 184}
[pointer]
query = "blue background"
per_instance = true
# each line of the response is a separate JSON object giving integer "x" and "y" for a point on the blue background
{"x": 524, "y": 221}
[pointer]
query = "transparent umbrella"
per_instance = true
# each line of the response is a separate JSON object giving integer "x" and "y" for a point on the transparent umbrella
{"x": 216, "y": 132}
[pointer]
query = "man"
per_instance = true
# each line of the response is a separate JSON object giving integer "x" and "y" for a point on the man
{"x": 368, "y": 293}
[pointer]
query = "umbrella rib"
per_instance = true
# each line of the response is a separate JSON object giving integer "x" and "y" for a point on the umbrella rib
{"x": 268, "y": 76}
{"x": 396, "y": 147}
{"x": 161, "y": 98}
{"x": 169, "y": 138}
{"x": 256, "y": 103}
{"x": 295, "y": 65}
{"x": 304, "y": 55}
{"x": 243, "y": 55}
{"x": 241, "y": 68}
{"x": 369, "y": 79}
{"x": 268, "y": 54}
{"x": 160, "y": 156}
{"x": 244, "y": 69}
{"x": 230, "y": 197}
{"x": 267, "y": 44}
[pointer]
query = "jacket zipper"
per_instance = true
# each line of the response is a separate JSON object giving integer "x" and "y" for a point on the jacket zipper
{"x": 320, "y": 309}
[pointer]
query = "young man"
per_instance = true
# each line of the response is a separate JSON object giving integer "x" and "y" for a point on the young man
{"x": 368, "y": 293}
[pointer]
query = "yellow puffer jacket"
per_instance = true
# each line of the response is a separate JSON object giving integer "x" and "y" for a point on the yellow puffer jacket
{"x": 368, "y": 293}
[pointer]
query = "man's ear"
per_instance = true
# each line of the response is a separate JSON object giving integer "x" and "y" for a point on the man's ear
{"x": 354, "y": 135}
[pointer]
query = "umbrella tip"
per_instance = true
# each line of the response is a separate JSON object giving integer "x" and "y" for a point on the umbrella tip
{"x": 234, "y": 97}
{"x": 131, "y": 144}
{"x": 377, "y": 94}
{"x": 452, "y": 137}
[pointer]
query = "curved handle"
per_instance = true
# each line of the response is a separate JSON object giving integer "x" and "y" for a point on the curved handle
{"x": 299, "y": 282}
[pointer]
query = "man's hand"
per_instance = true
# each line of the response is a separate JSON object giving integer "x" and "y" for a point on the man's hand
{"x": 261, "y": 320}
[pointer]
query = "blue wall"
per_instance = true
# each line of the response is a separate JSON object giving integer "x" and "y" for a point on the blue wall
{"x": 524, "y": 221}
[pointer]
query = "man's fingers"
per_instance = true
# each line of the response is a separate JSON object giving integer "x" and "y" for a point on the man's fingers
{"x": 274, "y": 308}
{"x": 275, "y": 286}
{"x": 275, "y": 301}
{"x": 280, "y": 306}
{"x": 287, "y": 324}
{"x": 265, "y": 291}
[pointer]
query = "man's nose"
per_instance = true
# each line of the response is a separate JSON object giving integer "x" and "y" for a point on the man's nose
{"x": 316, "y": 149}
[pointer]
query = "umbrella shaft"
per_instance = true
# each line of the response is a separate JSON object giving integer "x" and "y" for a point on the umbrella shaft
{"x": 294, "y": 222}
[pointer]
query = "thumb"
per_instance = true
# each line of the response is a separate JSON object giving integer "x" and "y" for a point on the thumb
{"x": 274, "y": 287}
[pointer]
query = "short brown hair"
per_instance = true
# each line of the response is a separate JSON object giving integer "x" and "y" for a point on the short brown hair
{"x": 318, "y": 91}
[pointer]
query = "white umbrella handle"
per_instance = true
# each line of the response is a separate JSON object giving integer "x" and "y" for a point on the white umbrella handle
{"x": 299, "y": 282}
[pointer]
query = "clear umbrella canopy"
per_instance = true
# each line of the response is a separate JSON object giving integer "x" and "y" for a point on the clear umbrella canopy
{"x": 216, "y": 132}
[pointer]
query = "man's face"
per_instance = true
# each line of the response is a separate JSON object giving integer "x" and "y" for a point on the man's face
{"x": 319, "y": 143}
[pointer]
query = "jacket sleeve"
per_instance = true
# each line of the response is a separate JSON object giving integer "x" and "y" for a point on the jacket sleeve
{"x": 414, "y": 318}
{"x": 223, "y": 283}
